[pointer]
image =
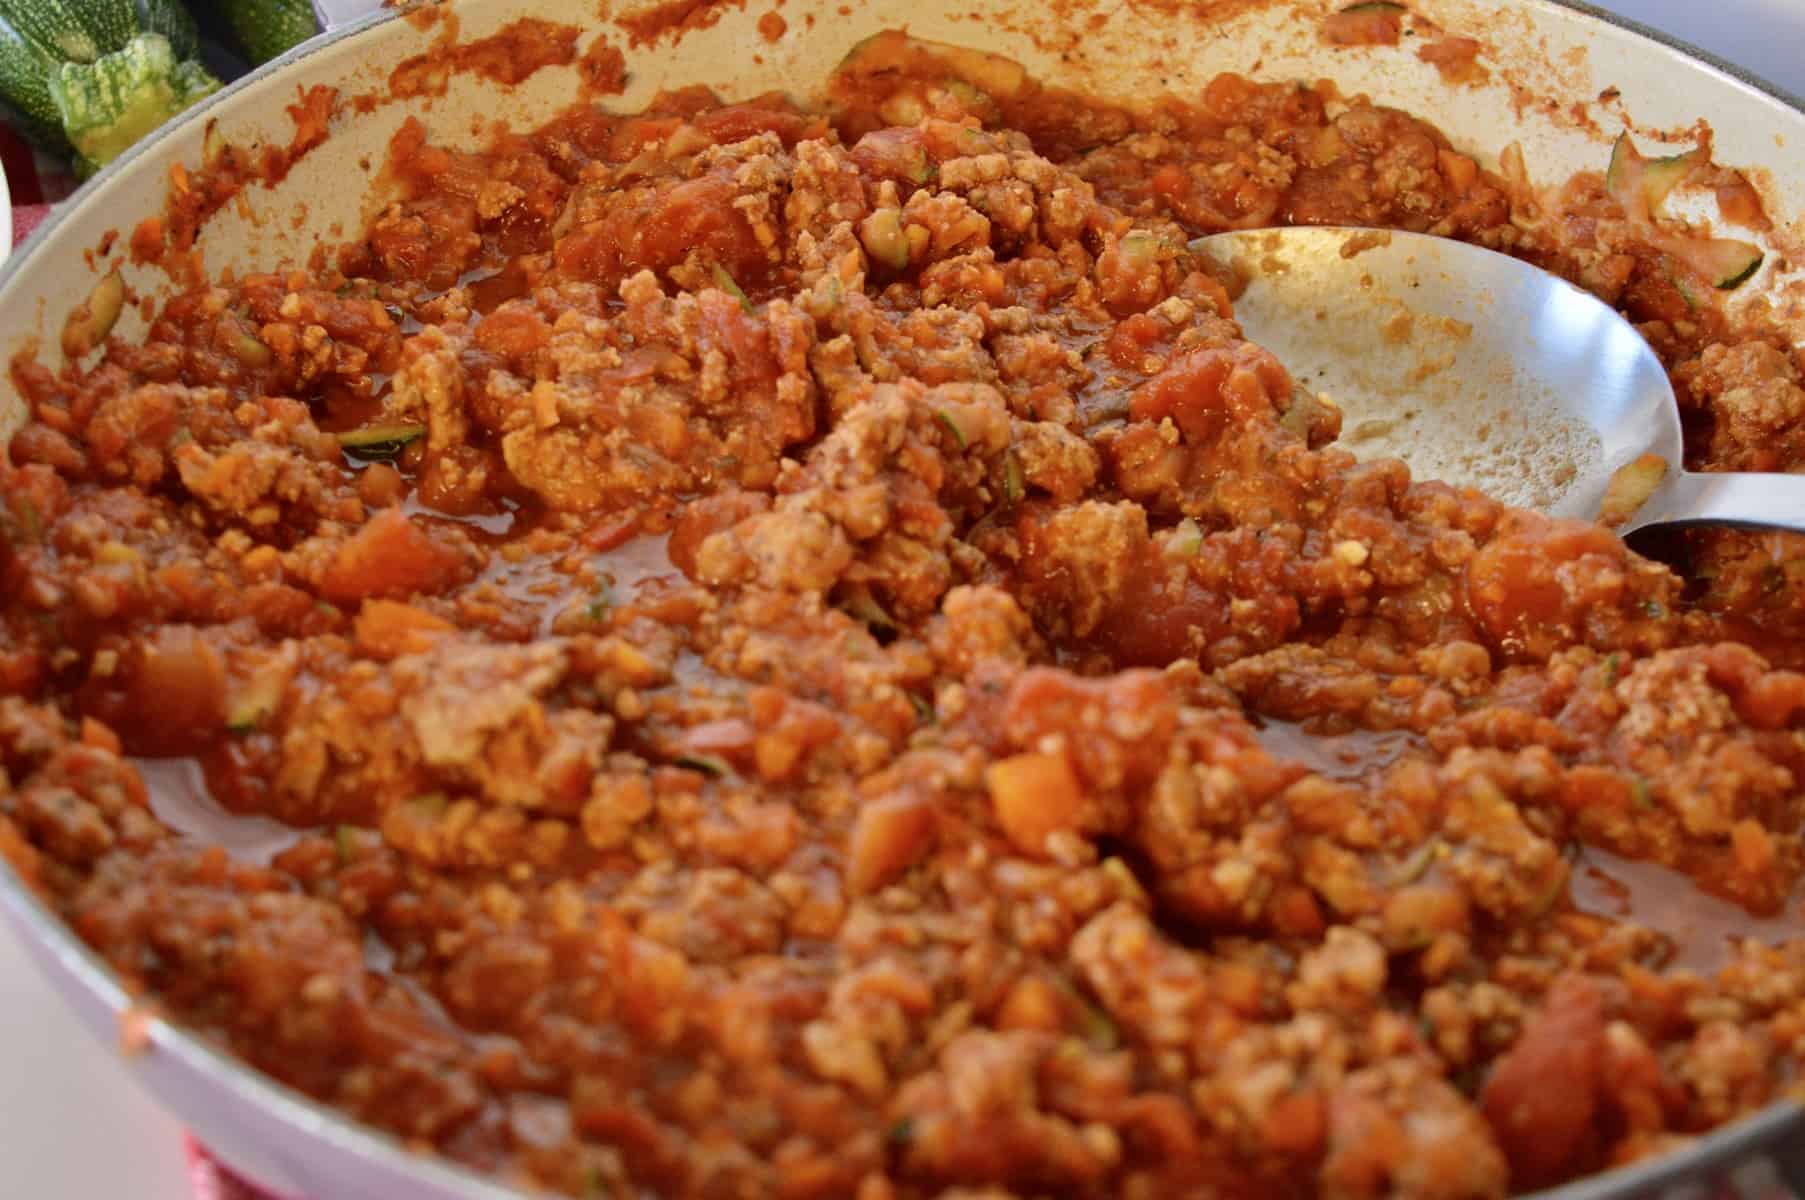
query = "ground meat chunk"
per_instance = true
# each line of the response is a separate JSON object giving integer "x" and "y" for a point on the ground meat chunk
{"x": 1077, "y": 563}
{"x": 1398, "y": 1130}
{"x": 980, "y": 1117}
{"x": 612, "y": 409}
{"x": 1754, "y": 393}
{"x": 475, "y": 713}
{"x": 430, "y": 387}
{"x": 258, "y": 462}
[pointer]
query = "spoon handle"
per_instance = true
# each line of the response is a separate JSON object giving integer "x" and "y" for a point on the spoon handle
{"x": 1746, "y": 499}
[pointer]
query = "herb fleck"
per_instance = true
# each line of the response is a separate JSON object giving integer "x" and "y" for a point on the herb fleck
{"x": 727, "y": 283}
{"x": 29, "y": 517}
{"x": 951, "y": 426}
{"x": 601, "y": 604}
{"x": 1015, "y": 486}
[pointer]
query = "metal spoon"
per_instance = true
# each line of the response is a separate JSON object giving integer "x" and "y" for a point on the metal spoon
{"x": 1477, "y": 368}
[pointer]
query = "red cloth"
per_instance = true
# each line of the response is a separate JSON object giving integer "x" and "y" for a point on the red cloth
{"x": 26, "y": 218}
{"x": 213, "y": 1181}
{"x": 34, "y": 181}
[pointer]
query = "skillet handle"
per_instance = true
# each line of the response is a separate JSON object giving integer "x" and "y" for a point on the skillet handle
{"x": 1745, "y": 499}
{"x": 333, "y": 13}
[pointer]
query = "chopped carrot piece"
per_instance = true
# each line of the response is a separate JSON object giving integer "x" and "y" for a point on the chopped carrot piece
{"x": 1295, "y": 913}
{"x": 1297, "y": 1123}
{"x": 100, "y": 736}
{"x": 1752, "y": 848}
{"x": 1032, "y": 1003}
{"x": 389, "y": 628}
{"x": 1034, "y": 795}
{"x": 1460, "y": 170}
{"x": 890, "y": 835}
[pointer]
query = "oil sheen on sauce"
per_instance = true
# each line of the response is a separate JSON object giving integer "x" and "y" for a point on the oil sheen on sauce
{"x": 1703, "y": 928}
{"x": 1351, "y": 757}
{"x": 181, "y": 799}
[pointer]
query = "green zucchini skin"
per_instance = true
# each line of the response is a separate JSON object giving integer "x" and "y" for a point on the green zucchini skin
{"x": 25, "y": 71}
{"x": 108, "y": 104}
{"x": 267, "y": 28}
{"x": 94, "y": 53}
{"x": 82, "y": 30}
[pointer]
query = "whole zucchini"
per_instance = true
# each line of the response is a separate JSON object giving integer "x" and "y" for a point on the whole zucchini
{"x": 90, "y": 77}
{"x": 266, "y": 28}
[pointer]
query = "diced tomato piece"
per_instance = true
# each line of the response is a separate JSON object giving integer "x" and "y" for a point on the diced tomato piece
{"x": 512, "y": 333}
{"x": 1365, "y": 25}
{"x": 737, "y": 122}
{"x": 615, "y": 529}
{"x": 1543, "y": 1093}
{"x": 1032, "y": 1003}
{"x": 1297, "y": 1124}
{"x": 1117, "y": 728}
{"x": 1515, "y": 584}
{"x": 389, "y": 556}
{"x": 1460, "y": 170}
{"x": 174, "y": 699}
{"x": 1205, "y": 390}
{"x": 1133, "y": 337}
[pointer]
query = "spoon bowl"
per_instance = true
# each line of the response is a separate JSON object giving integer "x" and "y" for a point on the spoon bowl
{"x": 1483, "y": 370}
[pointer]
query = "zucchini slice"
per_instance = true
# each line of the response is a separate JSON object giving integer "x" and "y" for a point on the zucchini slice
{"x": 1726, "y": 262}
{"x": 891, "y": 53}
{"x": 376, "y": 442}
{"x": 1642, "y": 185}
